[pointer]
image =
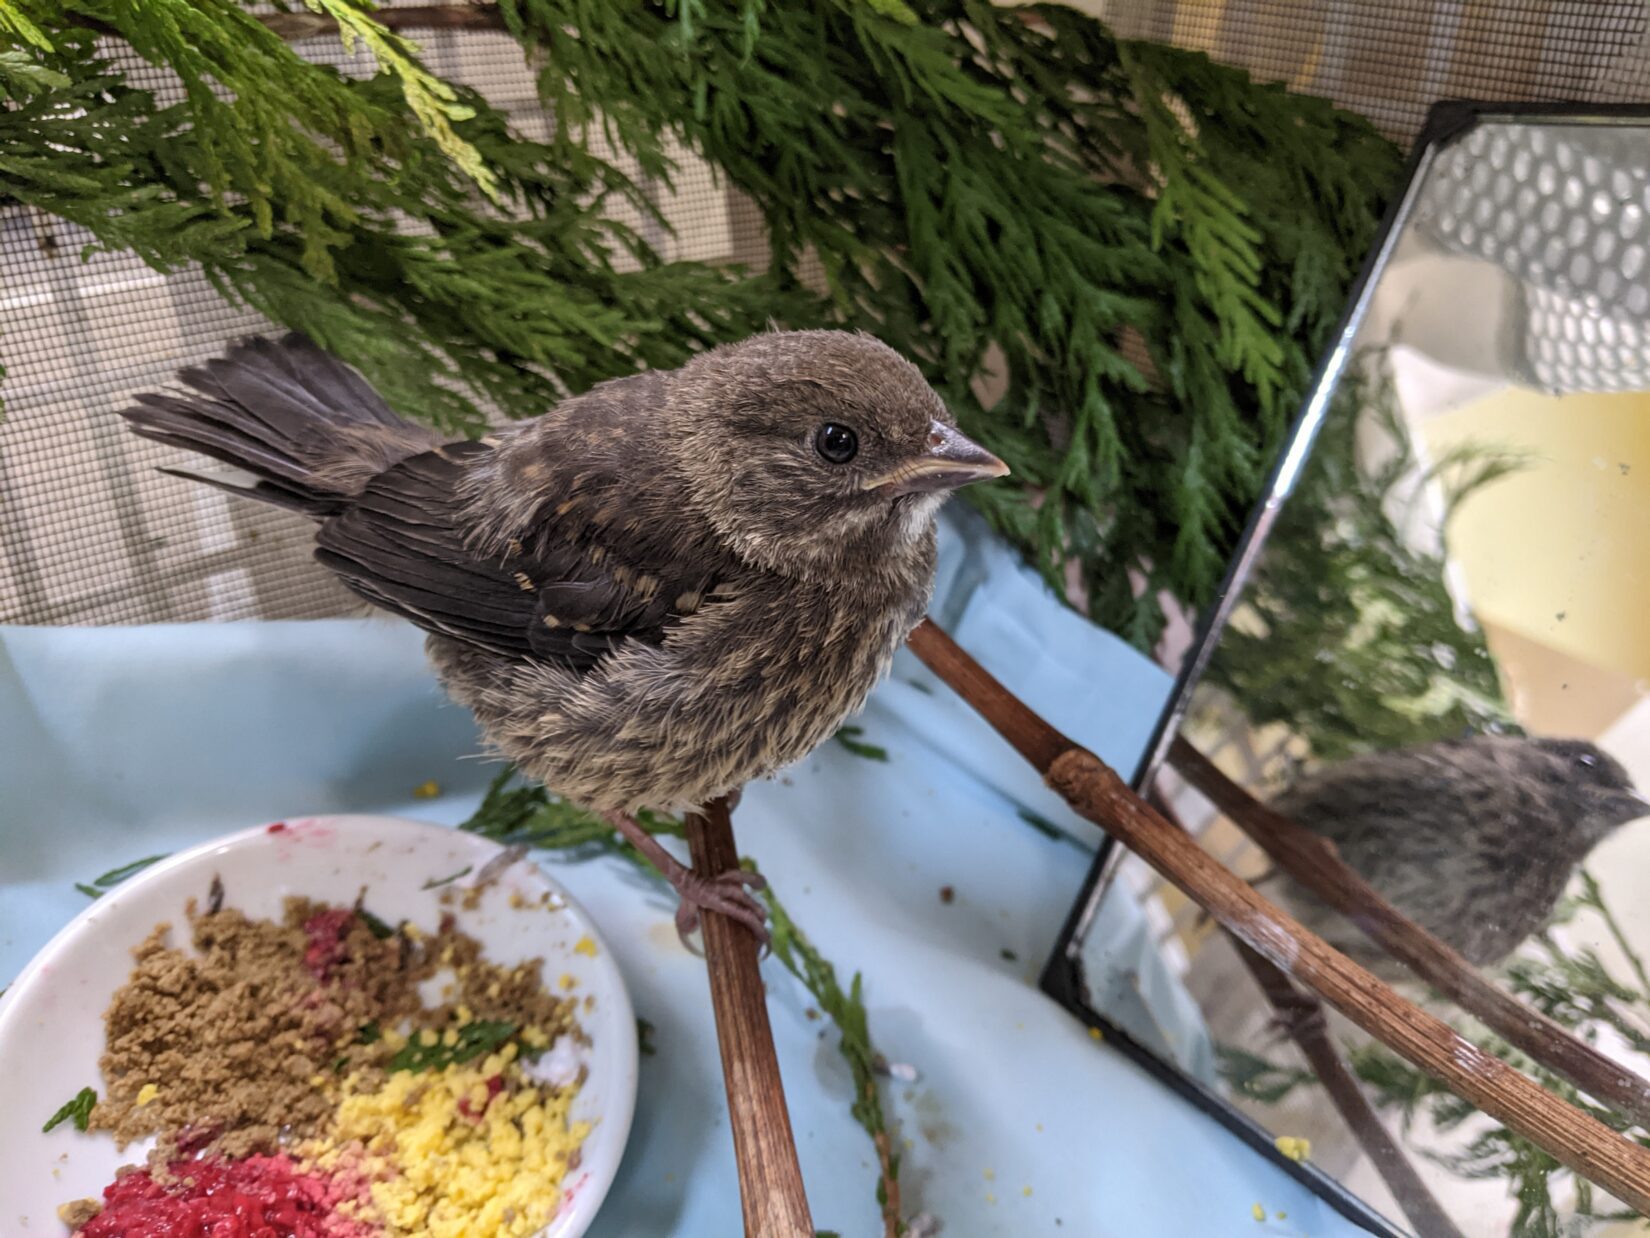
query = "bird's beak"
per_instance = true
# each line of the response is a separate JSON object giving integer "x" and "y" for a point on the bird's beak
{"x": 1624, "y": 804}
{"x": 949, "y": 460}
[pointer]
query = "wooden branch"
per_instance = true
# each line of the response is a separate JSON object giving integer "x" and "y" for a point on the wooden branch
{"x": 1314, "y": 863}
{"x": 1301, "y": 1016}
{"x": 1095, "y": 791}
{"x": 770, "y": 1178}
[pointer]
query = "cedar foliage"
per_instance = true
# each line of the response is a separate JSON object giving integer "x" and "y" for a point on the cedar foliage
{"x": 1148, "y": 248}
{"x": 1347, "y": 632}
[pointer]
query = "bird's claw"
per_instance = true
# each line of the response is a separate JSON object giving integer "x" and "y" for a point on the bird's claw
{"x": 728, "y": 894}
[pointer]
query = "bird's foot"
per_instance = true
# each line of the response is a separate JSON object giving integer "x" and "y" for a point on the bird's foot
{"x": 728, "y": 894}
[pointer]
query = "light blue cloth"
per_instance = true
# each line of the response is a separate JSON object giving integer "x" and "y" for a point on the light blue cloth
{"x": 118, "y": 743}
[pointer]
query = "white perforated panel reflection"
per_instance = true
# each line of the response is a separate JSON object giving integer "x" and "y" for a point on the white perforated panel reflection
{"x": 1564, "y": 211}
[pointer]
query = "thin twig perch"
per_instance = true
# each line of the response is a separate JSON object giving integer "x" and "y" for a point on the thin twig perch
{"x": 1314, "y": 863}
{"x": 1301, "y": 1016}
{"x": 770, "y": 1177}
{"x": 1095, "y": 791}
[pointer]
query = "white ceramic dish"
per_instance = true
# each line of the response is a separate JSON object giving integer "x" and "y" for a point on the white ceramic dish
{"x": 51, "y": 1019}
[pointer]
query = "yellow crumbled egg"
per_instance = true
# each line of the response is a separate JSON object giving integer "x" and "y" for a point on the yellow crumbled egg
{"x": 463, "y": 1158}
{"x": 566, "y": 982}
{"x": 1260, "y": 1212}
{"x": 1096, "y": 1034}
{"x": 585, "y": 945}
{"x": 1295, "y": 1149}
{"x": 146, "y": 1094}
{"x": 427, "y": 790}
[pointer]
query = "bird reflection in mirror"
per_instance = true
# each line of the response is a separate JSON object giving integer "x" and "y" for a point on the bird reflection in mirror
{"x": 1473, "y": 839}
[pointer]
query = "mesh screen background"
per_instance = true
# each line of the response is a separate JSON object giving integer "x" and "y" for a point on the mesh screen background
{"x": 90, "y": 533}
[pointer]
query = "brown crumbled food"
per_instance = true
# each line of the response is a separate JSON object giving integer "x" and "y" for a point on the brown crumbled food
{"x": 239, "y": 1048}
{"x": 76, "y": 1214}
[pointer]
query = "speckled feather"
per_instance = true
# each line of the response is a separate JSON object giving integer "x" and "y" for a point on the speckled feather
{"x": 651, "y": 594}
{"x": 1475, "y": 840}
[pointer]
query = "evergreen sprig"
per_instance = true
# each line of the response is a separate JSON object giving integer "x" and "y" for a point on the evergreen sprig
{"x": 480, "y": 309}
{"x": 1346, "y": 631}
{"x": 1141, "y": 249}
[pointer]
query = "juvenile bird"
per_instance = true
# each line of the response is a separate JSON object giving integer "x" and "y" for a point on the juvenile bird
{"x": 1474, "y": 839}
{"x": 649, "y": 595}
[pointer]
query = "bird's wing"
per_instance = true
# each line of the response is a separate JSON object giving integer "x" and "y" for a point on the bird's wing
{"x": 564, "y": 593}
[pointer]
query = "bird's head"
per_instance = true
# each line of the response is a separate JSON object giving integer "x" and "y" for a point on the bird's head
{"x": 818, "y": 451}
{"x": 1596, "y": 789}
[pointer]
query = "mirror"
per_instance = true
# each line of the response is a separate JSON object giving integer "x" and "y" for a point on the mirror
{"x": 1434, "y": 650}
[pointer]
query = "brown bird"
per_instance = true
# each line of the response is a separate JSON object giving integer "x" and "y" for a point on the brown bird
{"x": 1473, "y": 839}
{"x": 649, "y": 595}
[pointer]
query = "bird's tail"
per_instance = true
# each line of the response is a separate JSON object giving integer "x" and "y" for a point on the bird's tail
{"x": 304, "y": 424}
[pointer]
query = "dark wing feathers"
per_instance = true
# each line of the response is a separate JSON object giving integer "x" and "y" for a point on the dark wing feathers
{"x": 401, "y": 544}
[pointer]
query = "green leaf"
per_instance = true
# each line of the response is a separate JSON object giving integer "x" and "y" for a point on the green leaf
{"x": 116, "y": 875}
{"x": 14, "y": 22}
{"x": 848, "y": 738}
{"x": 22, "y": 73}
{"x": 78, "y": 1110}
{"x": 378, "y": 928}
{"x": 437, "y": 882}
{"x": 475, "y": 1039}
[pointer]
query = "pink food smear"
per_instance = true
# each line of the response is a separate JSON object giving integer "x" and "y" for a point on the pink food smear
{"x": 568, "y": 1194}
{"x": 326, "y": 931}
{"x": 257, "y": 1197}
{"x": 290, "y": 833}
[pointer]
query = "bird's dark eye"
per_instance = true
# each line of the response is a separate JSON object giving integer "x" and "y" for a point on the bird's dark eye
{"x": 836, "y": 443}
{"x": 1587, "y": 761}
